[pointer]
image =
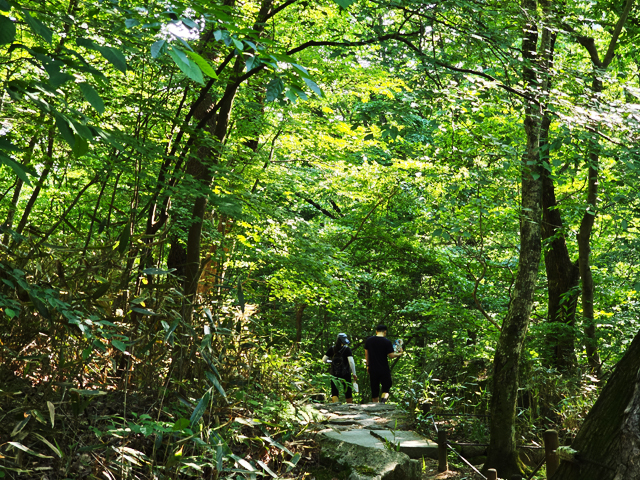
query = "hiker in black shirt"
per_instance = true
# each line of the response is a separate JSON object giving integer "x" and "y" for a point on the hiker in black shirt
{"x": 377, "y": 352}
{"x": 343, "y": 367}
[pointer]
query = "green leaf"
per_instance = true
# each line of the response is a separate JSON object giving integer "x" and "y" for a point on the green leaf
{"x": 7, "y": 30}
{"x": 303, "y": 71}
{"x": 38, "y": 27}
{"x": 237, "y": 43}
{"x": 82, "y": 130}
{"x": 274, "y": 89}
{"x": 156, "y": 48}
{"x": 80, "y": 148}
{"x": 131, "y": 22}
{"x": 20, "y": 426}
{"x": 119, "y": 345}
{"x": 65, "y": 131}
{"x": 291, "y": 96}
{"x": 313, "y": 86}
{"x": 18, "y": 169}
{"x": 198, "y": 412}
{"x": 8, "y": 146}
{"x": 40, "y": 306}
{"x": 345, "y": 3}
{"x": 57, "y": 79}
{"x": 92, "y": 97}
{"x": 180, "y": 424}
{"x": 214, "y": 381}
{"x": 4, "y": 6}
{"x": 203, "y": 64}
{"x": 114, "y": 57}
{"x": 124, "y": 239}
{"x": 190, "y": 69}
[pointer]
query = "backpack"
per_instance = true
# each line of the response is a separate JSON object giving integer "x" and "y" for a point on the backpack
{"x": 339, "y": 365}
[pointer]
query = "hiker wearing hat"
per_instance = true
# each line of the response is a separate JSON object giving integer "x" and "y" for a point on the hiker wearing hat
{"x": 343, "y": 367}
{"x": 377, "y": 352}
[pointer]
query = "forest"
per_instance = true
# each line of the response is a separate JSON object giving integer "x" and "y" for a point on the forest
{"x": 197, "y": 196}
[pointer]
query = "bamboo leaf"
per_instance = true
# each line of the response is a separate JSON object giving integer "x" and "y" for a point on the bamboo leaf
{"x": 52, "y": 413}
{"x": 20, "y": 426}
{"x": 198, "y": 412}
{"x": 28, "y": 450}
{"x": 49, "y": 444}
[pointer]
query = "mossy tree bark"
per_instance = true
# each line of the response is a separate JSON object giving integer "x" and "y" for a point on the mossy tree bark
{"x": 610, "y": 434}
{"x": 502, "y": 454}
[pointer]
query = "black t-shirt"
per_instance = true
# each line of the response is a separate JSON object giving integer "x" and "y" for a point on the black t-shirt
{"x": 378, "y": 348}
{"x": 346, "y": 352}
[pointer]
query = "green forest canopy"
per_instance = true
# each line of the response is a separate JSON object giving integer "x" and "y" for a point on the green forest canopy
{"x": 190, "y": 186}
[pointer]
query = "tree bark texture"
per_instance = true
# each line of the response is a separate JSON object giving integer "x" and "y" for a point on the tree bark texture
{"x": 586, "y": 226}
{"x": 200, "y": 166}
{"x": 502, "y": 454}
{"x": 609, "y": 440}
{"x": 563, "y": 275}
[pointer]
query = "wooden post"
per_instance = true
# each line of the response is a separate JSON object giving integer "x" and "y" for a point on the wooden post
{"x": 492, "y": 474}
{"x": 443, "y": 465}
{"x": 551, "y": 457}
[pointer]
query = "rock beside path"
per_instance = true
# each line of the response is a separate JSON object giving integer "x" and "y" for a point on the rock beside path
{"x": 372, "y": 442}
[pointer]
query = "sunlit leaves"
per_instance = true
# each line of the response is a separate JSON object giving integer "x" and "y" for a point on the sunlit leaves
{"x": 188, "y": 67}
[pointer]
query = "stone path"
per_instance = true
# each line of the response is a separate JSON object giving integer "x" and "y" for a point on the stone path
{"x": 371, "y": 441}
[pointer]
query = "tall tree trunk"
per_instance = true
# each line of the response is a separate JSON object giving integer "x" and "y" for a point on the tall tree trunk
{"x": 586, "y": 226}
{"x": 502, "y": 454}
{"x": 200, "y": 168}
{"x": 607, "y": 443}
{"x": 584, "y": 249}
{"x": 563, "y": 275}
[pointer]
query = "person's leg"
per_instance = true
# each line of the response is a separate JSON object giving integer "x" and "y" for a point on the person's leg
{"x": 374, "y": 378}
{"x": 334, "y": 390}
{"x": 348, "y": 395}
{"x": 386, "y": 386}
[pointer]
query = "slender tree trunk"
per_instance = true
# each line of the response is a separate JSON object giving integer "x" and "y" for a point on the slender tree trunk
{"x": 608, "y": 442}
{"x": 41, "y": 180}
{"x": 584, "y": 249}
{"x": 502, "y": 454}
{"x": 200, "y": 167}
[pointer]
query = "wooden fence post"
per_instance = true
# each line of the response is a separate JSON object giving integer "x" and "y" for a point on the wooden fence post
{"x": 443, "y": 465}
{"x": 492, "y": 474}
{"x": 550, "y": 446}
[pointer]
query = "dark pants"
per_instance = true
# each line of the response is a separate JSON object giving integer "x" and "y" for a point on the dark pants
{"x": 378, "y": 378}
{"x": 346, "y": 382}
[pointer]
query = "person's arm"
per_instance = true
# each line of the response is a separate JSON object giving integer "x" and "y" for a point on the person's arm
{"x": 326, "y": 359}
{"x": 366, "y": 358}
{"x": 395, "y": 354}
{"x": 352, "y": 364}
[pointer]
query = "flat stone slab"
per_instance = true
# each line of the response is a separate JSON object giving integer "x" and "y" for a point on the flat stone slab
{"x": 367, "y": 460}
{"x": 414, "y": 445}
